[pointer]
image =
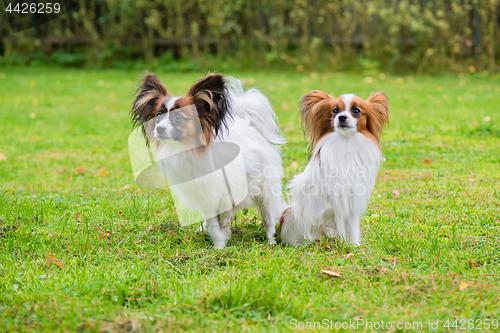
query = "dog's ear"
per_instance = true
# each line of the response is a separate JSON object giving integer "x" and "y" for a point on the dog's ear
{"x": 378, "y": 114}
{"x": 149, "y": 96}
{"x": 210, "y": 97}
{"x": 315, "y": 109}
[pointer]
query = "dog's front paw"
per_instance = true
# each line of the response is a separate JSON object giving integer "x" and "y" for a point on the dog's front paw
{"x": 219, "y": 245}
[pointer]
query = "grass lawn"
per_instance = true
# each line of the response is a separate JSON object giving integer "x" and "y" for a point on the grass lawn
{"x": 431, "y": 235}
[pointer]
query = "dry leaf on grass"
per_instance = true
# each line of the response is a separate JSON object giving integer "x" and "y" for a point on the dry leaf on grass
{"x": 294, "y": 165}
{"x": 51, "y": 260}
{"x": 331, "y": 273}
{"x": 78, "y": 216}
{"x": 2, "y": 157}
{"x": 125, "y": 187}
{"x": 383, "y": 270}
{"x": 472, "y": 173}
{"x": 473, "y": 264}
{"x": 388, "y": 171}
{"x": 463, "y": 285}
{"x": 395, "y": 194}
{"x": 427, "y": 161}
{"x": 103, "y": 173}
{"x": 348, "y": 256}
{"x": 79, "y": 171}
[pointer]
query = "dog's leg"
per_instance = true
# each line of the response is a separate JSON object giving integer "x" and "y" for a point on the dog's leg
{"x": 292, "y": 231}
{"x": 353, "y": 229}
{"x": 341, "y": 229}
{"x": 219, "y": 228}
{"x": 271, "y": 206}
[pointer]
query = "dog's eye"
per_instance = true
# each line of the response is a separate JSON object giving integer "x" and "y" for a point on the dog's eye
{"x": 356, "y": 111}
{"x": 179, "y": 117}
{"x": 335, "y": 110}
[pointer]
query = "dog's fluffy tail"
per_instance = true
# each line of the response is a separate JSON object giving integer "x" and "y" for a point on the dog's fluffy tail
{"x": 253, "y": 106}
{"x": 291, "y": 230}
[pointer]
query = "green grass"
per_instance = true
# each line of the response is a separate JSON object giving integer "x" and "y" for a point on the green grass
{"x": 130, "y": 268}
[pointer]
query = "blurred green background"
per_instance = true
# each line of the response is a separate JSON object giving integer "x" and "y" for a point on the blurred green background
{"x": 422, "y": 36}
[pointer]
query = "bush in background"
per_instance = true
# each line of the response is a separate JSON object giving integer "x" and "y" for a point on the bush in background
{"x": 394, "y": 35}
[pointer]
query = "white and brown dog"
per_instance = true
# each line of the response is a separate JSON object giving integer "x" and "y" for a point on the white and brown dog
{"x": 217, "y": 110}
{"x": 330, "y": 196}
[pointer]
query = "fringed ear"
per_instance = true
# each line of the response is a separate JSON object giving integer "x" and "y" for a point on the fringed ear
{"x": 210, "y": 97}
{"x": 316, "y": 108}
{"x": 149, "y": 96}
{"x": 378, "y": 114}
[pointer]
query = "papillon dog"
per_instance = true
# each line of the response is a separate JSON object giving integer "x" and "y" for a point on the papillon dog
{"x": 196, "y": 133}
{"x": 329, "y": 197}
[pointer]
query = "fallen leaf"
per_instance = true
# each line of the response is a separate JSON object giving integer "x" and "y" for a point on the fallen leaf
{"x": 348, "y": 256}
{"x": 395, "y": 194}
{"x": 388, "y": 171}
{"x": 331, "y": 273}
{"x": 472, "y": 173}
{"x": 125, "y": 187}
{"x": 78, "y": 216}
{"x": 79, "y": 171}
{"x": 357, "y": 318}
{"x": 427, "y": 161}
{"x": 463, "y": 285}
{"x": 300, "y": 68}
{"x": 383, "y": 270}
{"x": 294, "y": 165}
{"x": 103, "y": 173}
{"x": 51, "y": 259}
{"x": 473, "y": 264}
{"x": 2, "y": 157}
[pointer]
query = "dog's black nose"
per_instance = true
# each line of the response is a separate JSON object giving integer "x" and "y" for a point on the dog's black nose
{"x": 342, "y": 118}
{"x": 160, "y": 129}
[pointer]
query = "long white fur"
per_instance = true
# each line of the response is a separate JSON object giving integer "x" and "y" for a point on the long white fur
{"x": 254, "y": 129}
{"x": 332, "y": 193}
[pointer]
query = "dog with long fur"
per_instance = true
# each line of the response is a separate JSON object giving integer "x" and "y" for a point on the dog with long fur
{"x": 217, "y": 110}
{"x": 330, "y": 196}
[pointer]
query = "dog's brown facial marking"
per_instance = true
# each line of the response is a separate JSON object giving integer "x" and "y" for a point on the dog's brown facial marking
{"x": 151, "y": 97}
{"x": 208, "y": 95}
{"x": 322, "y": 114}
{"x": 316, "y": 110}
